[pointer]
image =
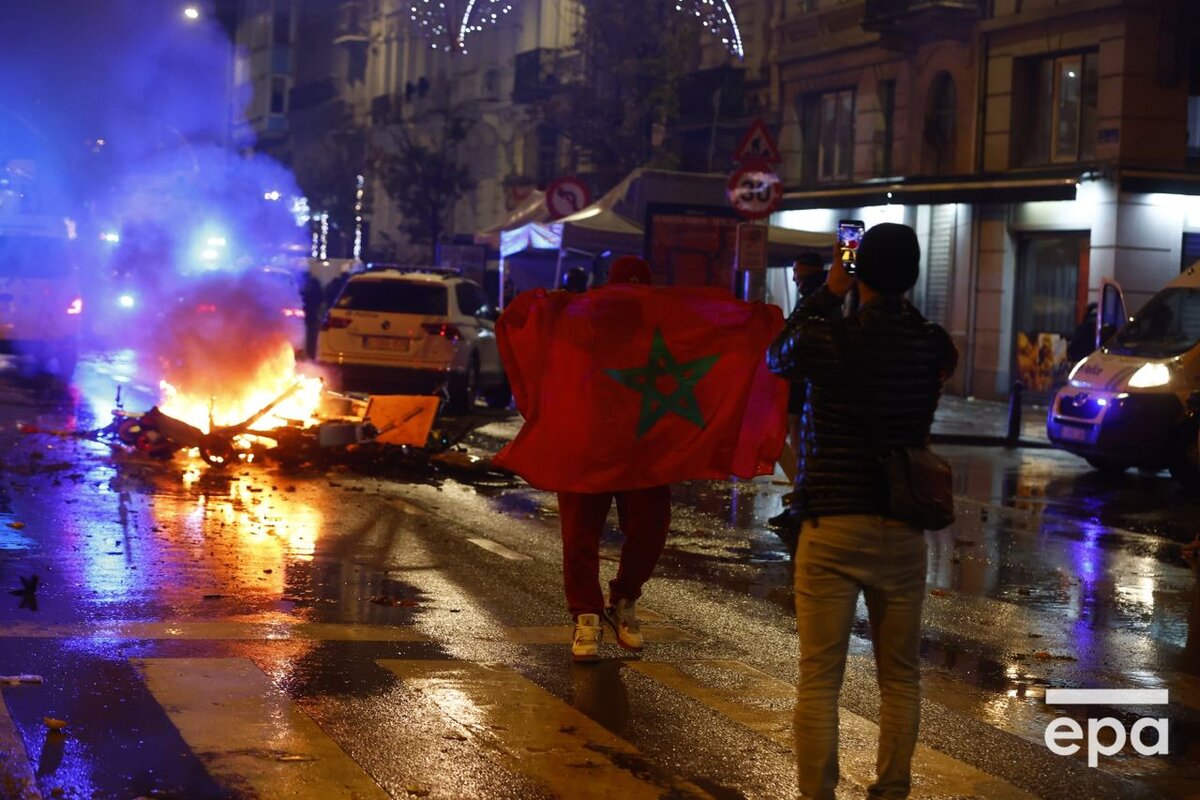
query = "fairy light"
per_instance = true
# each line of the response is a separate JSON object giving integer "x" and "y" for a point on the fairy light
{"x": 718, "y": 18}
{"x": 437, "y": 21}
{"x": 360, "y": 183}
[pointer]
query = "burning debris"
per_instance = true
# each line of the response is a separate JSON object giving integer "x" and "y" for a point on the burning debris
{"x": 396, "y": 430}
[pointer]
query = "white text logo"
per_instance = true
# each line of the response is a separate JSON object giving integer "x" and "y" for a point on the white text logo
{"x": 1063, "y": 734}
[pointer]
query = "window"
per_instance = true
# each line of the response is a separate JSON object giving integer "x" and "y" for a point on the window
{"x": 491, "y": 84}
{"x": 1190, "y": 252}
{"x": 1054, "y": 109}
{"x": 1193, "y": 108}
{"x": 887, "y": 134}
{"x": 472, "y": 302}
{"x": 547, "y": 154}
{"x": 394, "y": 297}
{"x": 278, "y": 95}
{"x": 827, "y": 129}
{"x": 282, "y": 25}
{"x": 937, "y": 152}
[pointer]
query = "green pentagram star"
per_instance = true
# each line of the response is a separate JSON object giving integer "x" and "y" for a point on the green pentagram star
{"x": 666, "y": 385}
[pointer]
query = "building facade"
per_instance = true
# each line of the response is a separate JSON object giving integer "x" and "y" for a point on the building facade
{"x": 1039, "y": 147}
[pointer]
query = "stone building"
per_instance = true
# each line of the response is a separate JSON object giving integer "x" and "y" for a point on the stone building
{"x": 1039, "y": 147}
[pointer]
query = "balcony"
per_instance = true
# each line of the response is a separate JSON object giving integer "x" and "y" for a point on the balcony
{"x": 537, "y": 75}
{"x": 351, "y": 24}
{"x": 946, "y": 18}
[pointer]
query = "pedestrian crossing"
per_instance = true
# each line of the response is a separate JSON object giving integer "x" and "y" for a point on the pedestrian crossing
{"x": 258, "y": 741}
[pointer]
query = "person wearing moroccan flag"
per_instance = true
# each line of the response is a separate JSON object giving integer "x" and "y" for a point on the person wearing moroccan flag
{"x": 627, "y": 389}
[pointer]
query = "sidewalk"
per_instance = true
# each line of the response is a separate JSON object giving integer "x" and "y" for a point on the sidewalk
{"x": 959, "y": 420}
{"x": 967, "y": 420}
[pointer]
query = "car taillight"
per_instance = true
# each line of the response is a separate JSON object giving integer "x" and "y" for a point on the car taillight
{"x": 76, "y": 306}
{"x": 443, "y": 329}
{"x": 206, "y": 308}
{"x": 335, "y": 323}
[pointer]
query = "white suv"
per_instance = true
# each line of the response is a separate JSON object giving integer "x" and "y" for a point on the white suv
{"x": 414, "y": 332}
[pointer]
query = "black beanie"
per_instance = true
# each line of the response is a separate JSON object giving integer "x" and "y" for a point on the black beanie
{"x": 889, "y": 258}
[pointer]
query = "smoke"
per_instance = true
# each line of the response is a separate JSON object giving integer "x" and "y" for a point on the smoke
{"x": 125, "y": 109}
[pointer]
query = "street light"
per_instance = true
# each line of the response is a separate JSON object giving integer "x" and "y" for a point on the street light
{"x": 191, "y": 13}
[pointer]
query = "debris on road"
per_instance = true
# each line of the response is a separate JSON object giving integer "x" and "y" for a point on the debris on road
{"x": 16, "y": 680}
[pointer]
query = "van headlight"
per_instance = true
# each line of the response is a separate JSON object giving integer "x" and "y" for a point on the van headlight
{"x": 1150, "y": 375}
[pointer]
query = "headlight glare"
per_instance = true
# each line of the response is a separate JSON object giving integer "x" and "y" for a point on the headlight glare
{"x": 1150, "y": 375}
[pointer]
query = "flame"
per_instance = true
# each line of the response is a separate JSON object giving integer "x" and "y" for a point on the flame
{"x": 274, "y": 377}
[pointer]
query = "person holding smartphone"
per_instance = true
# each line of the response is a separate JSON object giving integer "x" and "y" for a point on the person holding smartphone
{"x": 808, "y": 273}
{"x": 873, "y": 380}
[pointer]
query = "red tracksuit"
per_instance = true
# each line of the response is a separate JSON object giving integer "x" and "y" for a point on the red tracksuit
{"x": 645, "y": 517}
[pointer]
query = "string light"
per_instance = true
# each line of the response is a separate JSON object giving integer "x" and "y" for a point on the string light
{"x": 718, "y": 18}
{"x": 360, "y": 185}
{"x": 446, "y": 29}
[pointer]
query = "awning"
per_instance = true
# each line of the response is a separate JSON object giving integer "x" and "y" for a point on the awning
{"x": 983, "y": 190}
{"x": 790, "y": 238}
{"x": 532, "y": 209}
{"x": 533, "y": 236}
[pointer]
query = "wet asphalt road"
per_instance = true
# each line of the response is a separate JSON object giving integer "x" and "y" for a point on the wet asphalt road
{"x": 336, "y": 633}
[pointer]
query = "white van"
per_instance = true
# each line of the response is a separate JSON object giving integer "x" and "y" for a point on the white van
{"x": 1135, "y": 401}
{"x": 40, "y": 301}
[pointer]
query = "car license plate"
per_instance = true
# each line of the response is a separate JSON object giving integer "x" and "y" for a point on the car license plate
{"x": 385, "y": 343}
{"x": 1074, "y": 434}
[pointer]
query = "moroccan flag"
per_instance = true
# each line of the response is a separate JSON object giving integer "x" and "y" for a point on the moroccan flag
{"x": 629, "y": 386}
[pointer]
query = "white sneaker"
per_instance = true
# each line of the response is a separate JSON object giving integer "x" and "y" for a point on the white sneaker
{"x": 622, "y": 618}
{"x": 588, "y": 633}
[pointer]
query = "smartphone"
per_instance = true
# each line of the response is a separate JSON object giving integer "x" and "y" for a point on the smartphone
{"x": 849, "y": 236}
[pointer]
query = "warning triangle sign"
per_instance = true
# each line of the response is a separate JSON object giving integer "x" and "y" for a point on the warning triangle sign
{"x": 758, "y": 146}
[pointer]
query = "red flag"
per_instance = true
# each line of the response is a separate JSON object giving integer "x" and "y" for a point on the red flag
{"x": 630, "y": 386}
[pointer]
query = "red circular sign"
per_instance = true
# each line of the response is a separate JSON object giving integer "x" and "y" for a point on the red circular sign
{"x": 755, "y": 192}
{"x": 566, "y": 196}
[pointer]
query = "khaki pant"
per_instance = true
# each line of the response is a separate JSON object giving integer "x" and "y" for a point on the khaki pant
{"x": 836, "y": 560}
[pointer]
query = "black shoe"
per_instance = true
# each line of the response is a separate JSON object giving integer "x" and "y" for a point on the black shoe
{"x": 788, "y": 519}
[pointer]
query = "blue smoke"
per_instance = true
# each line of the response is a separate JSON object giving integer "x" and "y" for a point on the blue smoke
{"x": 126, "y": 110}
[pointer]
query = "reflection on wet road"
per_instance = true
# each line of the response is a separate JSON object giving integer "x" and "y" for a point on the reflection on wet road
{"x": 210, "y": 634}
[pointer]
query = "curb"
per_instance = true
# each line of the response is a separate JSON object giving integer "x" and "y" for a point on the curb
{"x": 971, "y": 440}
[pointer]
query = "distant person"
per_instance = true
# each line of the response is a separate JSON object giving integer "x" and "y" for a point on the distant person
{"x": 576, "y": 280}
{"x": 312, "y": 294}
{"x": 1083, "y": 340}
{"x": 874, "y": 379}
{"x": 808, "y": 273}
{"x": 334, "y": 288}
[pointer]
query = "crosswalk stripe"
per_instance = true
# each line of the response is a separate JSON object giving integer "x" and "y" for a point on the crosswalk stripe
{"x": 561, "y": 634}
{"x": 249, "y": 733}
{"x": 218, "y": 630}
{"x": 314, "y": 631}
{"x": 498, "y": 549}
{"x": 549, "y": 740}
{"x": 16, "y": 776}
{"x": 764, "y": 704}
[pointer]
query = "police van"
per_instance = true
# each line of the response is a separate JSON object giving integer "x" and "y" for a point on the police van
{"x": 40, "y": 300}
{"x": 1135, "y": 401}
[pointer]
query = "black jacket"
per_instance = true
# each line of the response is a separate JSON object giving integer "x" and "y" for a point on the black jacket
{"x": 901, "y": 360}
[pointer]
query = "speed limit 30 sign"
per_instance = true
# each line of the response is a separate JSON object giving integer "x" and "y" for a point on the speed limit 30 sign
{"x": 755, "y": 192}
